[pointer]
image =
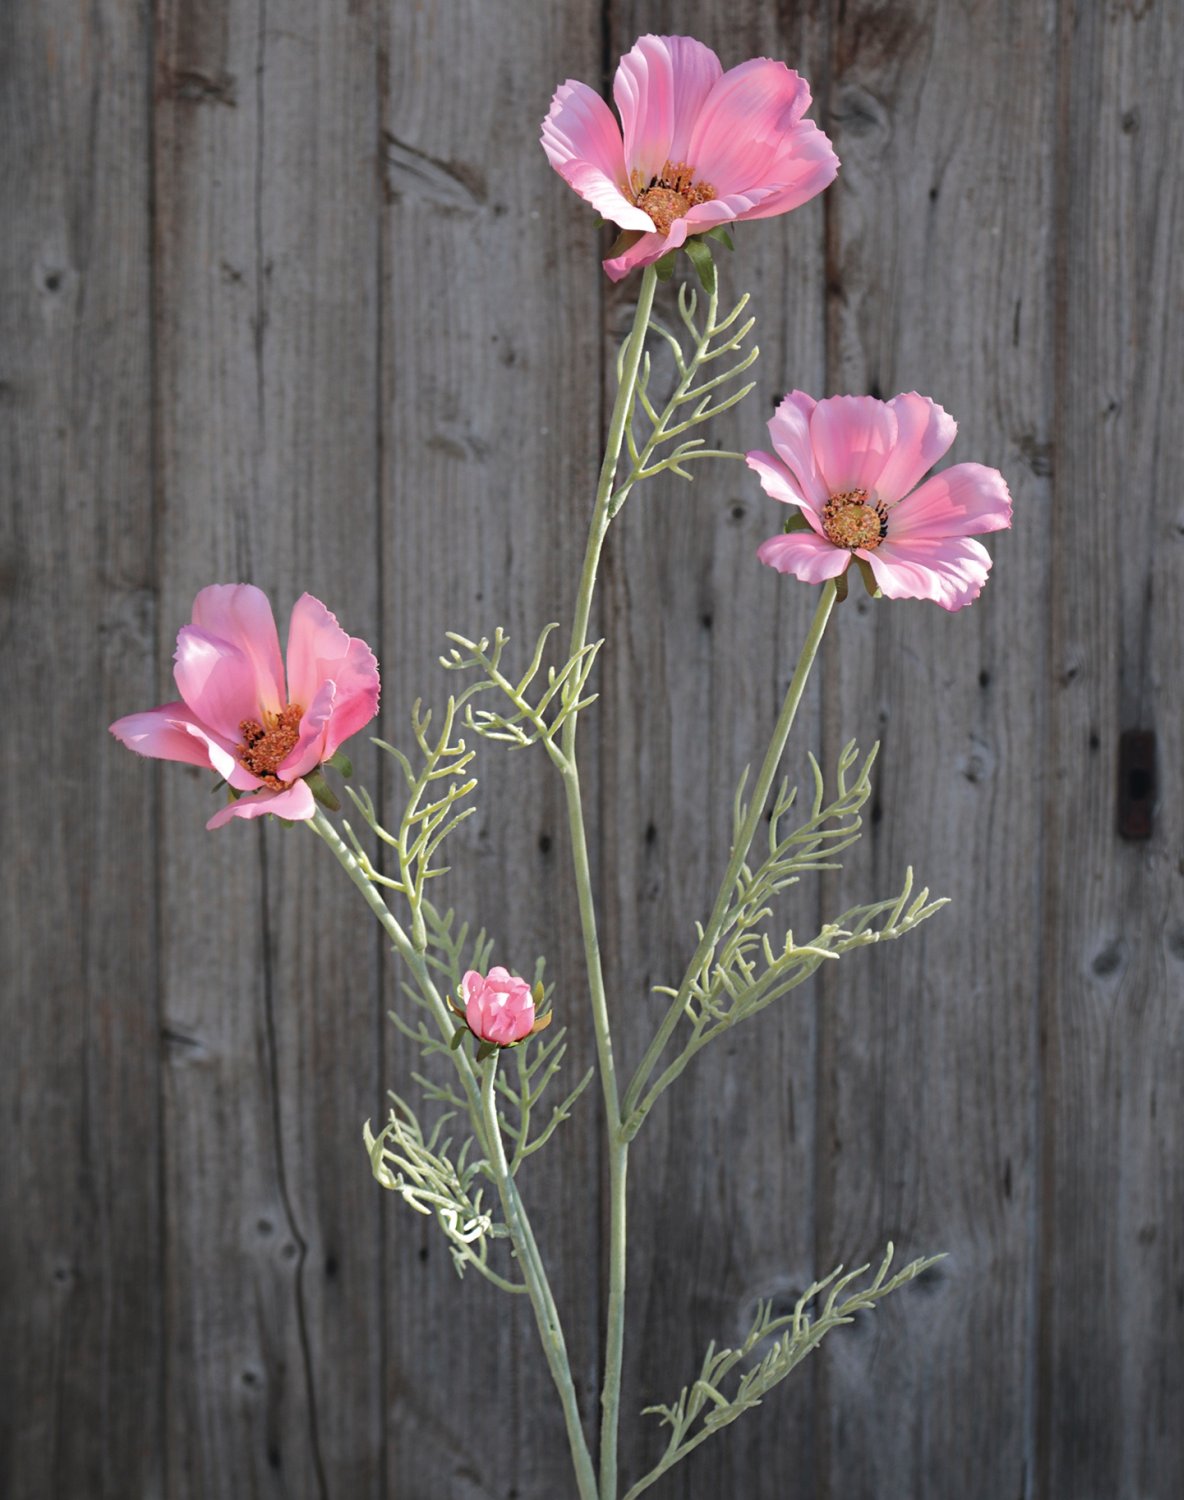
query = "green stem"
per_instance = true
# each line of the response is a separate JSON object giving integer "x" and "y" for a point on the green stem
{"x": 618, "y": 1150}
{"x": 545, "y": 1312}
{"x": 633, "y": 1116}
{"x": 483, "y": 1112}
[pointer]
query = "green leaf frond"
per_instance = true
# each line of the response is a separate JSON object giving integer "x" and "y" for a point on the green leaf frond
{"x": 705, "y": 1407}
{"x": 745, "y": 970}
{"x": 699, "y": 394}
{"x": 537, "y": 1061}
{"x": 431, "y": 1182}
{"x": 539, "y": 703}
{"x": 437, "y": 785}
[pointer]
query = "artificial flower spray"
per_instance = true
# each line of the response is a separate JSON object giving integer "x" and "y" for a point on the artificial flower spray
{"x": 696, "y": 149}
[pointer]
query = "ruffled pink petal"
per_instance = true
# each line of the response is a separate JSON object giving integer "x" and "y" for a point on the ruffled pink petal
{"x": 316, "y": 644}
{"x": 949, "y": 570}
{"x": 776, "y": 480}
{"x": 660, "y": 88}
{"x": 728, "y": 209}
{"x": 852, "y": 437}
{"x": 924, "y": 432}
{"x": 960, "y": 501}
{"x": 583, "y": 143}
{"x": 170, "y": 732}
{"x": 649, "y": 248}
{"x": 240, "y": 614}
{"x": 806, "y": 555}
{"x": 296, "y": 803}
{"x": 356, "y": 699}
{"x": 789, "y": 427}
{"x": 217, "y": 680}
{"x": 806, "y": 166}
{"x": 309, "y": 749}
{"x": 741, "y": 127}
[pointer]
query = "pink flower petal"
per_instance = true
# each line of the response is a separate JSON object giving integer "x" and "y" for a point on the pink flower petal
{"x": 583, "y": 143}
{"x": 660, "y": 87}
{"x": 852, "y": 437}
{"x": 649, "y": 248}
{"x": 949, "y": 570}
{"x": 320, "y": 653}
{"x": 960, "y": 501}
{"x": 924, "y": 432}
{"x": 296, "y": 803}
{"x": 789, "y": 427}
{"x": 805, "y": 167}
{"x": 776, "y": 480}
{"x": 170, "y": 732}
{"x": 217, "y": 680}
{"x": 240, "y": 614}
{"x": 741, "y": 127}
{"x": 806, "y": 555}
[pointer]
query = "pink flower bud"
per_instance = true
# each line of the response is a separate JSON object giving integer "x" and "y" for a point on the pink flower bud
{"x": 499, "y": 1006}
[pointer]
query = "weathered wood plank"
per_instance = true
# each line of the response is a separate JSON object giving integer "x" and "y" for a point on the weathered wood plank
{"x": 267, "y": 198}
{"x": 80, "y": 1312}
{"x": 1112, "y": 1368}
{"x": 702, "y": 642}
{"x": 939, "y": 249}
{"x": 491, "y": 411}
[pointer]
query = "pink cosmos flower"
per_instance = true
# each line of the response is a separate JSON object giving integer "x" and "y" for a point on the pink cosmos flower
{"x": 701, "y": 147}
{"x": 499, "y": 1006}
{"x": 237, "y": 717}
{"x": 852, "y": 465}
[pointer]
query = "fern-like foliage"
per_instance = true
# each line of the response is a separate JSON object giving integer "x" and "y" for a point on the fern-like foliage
{"x": 743, "y": 970}
{"x": 538, "y": 707}
{"x": 431, "y": 1182}
{"x": 705, "y": 1407}
{"x": 699, "y": 393}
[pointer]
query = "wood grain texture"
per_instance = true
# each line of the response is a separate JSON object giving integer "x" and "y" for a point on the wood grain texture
{"x": 267, "y": 205}
{"x": 1112, "y": 1366}
{"x": 80, "y": 1271}
{"x": 491, "y": 440}
{"x": 938, "y": 273}
{"x": 702, "y": 641}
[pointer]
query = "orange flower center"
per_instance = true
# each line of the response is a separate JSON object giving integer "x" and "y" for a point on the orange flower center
{"x": 852, "y": 520}
{"x": 266, "y": 746}
{"x": 670, "y": 195}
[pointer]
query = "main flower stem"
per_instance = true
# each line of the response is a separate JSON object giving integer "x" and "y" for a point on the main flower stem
{"x": 756, "y": 806}
{"x": 483, "y": 1110}
{"x": 618, "y": 1148}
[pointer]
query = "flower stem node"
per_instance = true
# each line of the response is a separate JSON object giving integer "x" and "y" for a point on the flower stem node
{"x": 499, "y": 1008}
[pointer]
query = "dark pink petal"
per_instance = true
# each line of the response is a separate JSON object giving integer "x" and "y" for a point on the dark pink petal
{"x": 170, "y": 732}
{"x": 218, "y": 682}
{"x": 949, "y": 570}
{"x": 924, "y": 432}
{"x": 960, "y": 501}
{"x": 296, "y": 803}
{"x": 309, "y": 750}
{"x": 804, "y": 168}
{"x": 741, "y": 128}
{"x": 852, "y": 437}
{"x": 583, "y": 143}
{"x": 649, "y": 248}
{"x": 789, "y": 427}
{"x": 660, "y": 87}
{"x": 240, "y": 614}
{"x": 356, "y": 700}
{"x": 806, "y": 555}
{"x": 316, "y": 645}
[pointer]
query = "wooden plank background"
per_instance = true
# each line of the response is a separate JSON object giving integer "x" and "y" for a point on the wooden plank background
{"x": 290, "y": 294}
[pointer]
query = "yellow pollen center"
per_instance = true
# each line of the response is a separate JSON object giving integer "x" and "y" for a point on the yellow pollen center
{"x": 851, "y": 520}
{"x": 670, "y": 195}
{"x": 266, "y": 746}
